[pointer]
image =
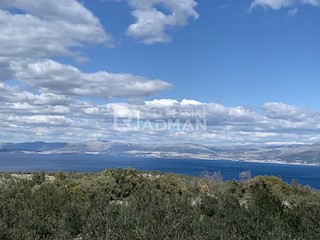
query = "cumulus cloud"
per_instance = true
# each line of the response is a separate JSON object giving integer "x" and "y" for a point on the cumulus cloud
{"x": 287, "y": 112}
{"x": 274, "y": 122}
{"x": 54, "y": 117}
{"x": 43, "y": 102}
{"x": 278, "y": 4}
{"x": 155, "y": 17}
{"x": 43, "y": 120}
{"x": 47, "y": 28}
{"x": 52, "y": 77}
{"x": 40, "y": 97}
{"x": 13, "y": 94}
{"x": 5, "y": 70}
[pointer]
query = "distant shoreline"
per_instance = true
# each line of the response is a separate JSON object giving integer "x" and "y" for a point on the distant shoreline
{"x": 205, "y": 158}
{"x": 232, "y": 160}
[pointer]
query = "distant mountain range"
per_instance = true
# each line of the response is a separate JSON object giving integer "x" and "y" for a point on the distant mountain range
{"x": 295, "y": 154}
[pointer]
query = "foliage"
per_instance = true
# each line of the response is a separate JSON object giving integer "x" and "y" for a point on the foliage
{"x": 128, "y": 204}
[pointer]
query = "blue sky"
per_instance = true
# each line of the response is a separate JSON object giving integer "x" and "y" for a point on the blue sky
{"x": 69, "y": 68}
{"x": 226, "y": 55}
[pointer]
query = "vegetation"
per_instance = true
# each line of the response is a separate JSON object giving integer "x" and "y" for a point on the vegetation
{"x": 128, "y": 204}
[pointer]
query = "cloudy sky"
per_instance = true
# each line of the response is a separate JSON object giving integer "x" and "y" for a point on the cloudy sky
{"x": 246, "y": 71}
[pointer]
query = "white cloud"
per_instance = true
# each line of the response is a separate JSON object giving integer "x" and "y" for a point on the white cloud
{"x": 52, "y": 77}
{"x": 152, "y": 22}
{"x": 315, "y": 3}
{"x": 53, "y": 117}
{"x": 293, "y": 12}
{"x": 276, "y": 121}
{"x": 274, "y": 4}
{"x": 42, "y": 120}
{"x": 20, "y": 108}
{"x": 162, "y": 103}
{"x": 287, "y": 112}
{"x": 278, "y": 4}
{"x": 47, "y": 28}
{"x": 5, "y": 70}
{"x": 14, "y": 95}
{"x": 44, "y": 105}
{"x": 186, "y": 102}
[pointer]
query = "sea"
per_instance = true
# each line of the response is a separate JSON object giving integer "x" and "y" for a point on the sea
{"x": 13, "y": 162}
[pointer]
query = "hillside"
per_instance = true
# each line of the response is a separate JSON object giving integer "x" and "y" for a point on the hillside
{"x": 295, "y": 154}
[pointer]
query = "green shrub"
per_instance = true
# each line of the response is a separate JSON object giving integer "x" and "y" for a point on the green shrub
{"x": 128, "y": 204}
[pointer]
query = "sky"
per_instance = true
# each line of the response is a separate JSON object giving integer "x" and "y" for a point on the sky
{"x": 209, "y": 72}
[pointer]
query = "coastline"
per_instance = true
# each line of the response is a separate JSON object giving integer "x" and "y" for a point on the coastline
{"x": 173, "y": 155}
{"x": 267, "y": 161}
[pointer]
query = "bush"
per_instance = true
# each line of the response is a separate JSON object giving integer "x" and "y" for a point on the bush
{"x": 127, "y": 204}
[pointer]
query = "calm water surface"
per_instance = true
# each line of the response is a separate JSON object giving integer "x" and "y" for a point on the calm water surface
{"x": 9, "y": 162}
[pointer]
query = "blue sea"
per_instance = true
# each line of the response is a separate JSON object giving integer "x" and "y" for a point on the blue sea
{"x": 9, "y": 162}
